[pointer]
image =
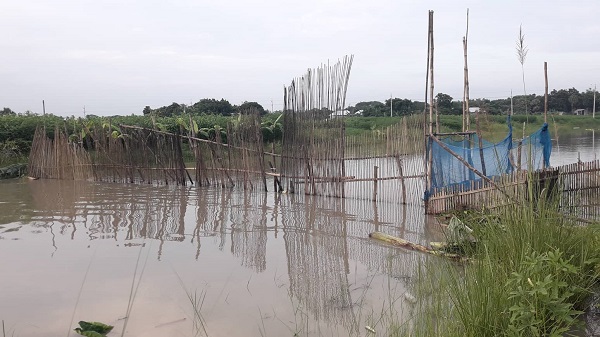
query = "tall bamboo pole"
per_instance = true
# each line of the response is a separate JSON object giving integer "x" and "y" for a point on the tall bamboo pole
{"x": 425, "y": 133}
{"x": 466, "y": 114}
{"x": 546, "y": 92}
{"x": 431, "y": 78}
{"x": 431, "y": 88}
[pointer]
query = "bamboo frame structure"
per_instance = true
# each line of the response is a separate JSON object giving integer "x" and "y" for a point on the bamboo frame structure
{"x": 314, "y": 133}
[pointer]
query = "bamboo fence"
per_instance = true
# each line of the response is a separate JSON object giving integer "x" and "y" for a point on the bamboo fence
{"x": 578, "y": 186}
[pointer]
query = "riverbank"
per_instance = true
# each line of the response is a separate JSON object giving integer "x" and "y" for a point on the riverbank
{"x": 533, "y": 274}
{"x": 13, "y": 171}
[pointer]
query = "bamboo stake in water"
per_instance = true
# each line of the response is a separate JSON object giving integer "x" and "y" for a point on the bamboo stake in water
{"x": 375, "y": 179}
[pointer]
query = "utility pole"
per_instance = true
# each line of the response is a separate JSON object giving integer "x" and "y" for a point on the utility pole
{"x": 391, "y": 106}
{"x": 271, "y": 106}
{"x": 84, "y": 111}
{"x": 44, "y": 107}
{"x": 594, "y": 104}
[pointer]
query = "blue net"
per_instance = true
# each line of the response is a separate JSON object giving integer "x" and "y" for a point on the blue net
{"x": 533, "y": 152}
{"x": 491, "y": 159}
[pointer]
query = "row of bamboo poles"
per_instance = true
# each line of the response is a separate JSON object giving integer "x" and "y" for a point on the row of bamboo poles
{"x": 384, "y": 165}
{"x": 141, "y": 155}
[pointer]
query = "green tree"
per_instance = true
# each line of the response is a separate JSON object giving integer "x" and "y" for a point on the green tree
{"x": 213, "y": 106}
{"x": 558, "y": 100}
{"x": 445, "y": 105}
{"x": 587, "y": 99}
{"x": 250, "y": 106}
{"x": 147, "y": 110}
{"x": 371, "y": 109}
{"x": 6, "y": 112}
{"x": 400, "y": 107}
{"x": 574, "y": 99}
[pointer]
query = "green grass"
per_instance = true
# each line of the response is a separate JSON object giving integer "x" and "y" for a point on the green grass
{"x": 493, "y": 127}
{"x": 532, "y": 271}
{"x": 360, "y": 125}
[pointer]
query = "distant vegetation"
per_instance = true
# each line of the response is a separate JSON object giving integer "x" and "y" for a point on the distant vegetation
{"x": 563, "y": 100}
{"x": 17, "y": 129}
{"x": 204, "y": 106}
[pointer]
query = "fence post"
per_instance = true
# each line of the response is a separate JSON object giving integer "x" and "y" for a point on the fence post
{"x": 375, "y": 178}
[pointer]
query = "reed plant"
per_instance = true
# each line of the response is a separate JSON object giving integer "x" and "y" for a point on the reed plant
{"x": 531, "y": 272}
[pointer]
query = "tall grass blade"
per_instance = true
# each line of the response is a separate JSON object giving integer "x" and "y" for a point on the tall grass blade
{"x": 79, "y": 294}
{"x": 133, "y": 292}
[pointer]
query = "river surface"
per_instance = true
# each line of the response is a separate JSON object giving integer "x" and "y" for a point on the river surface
{"x": 256, "y": 263}
{"x": 199, "y": 261}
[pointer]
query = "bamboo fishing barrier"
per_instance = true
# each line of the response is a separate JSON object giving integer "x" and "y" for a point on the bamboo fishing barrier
{"x": 133, "y": 154}
{"x": 58, "y": 158}
{"x": 313, "y": 138}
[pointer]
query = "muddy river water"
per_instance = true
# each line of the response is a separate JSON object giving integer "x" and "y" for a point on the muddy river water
{"x": 193, "y": 261}
{"x": 256, "y": 263}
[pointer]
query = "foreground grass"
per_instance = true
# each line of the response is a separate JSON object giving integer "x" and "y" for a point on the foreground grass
{"x": 531, "y": 273}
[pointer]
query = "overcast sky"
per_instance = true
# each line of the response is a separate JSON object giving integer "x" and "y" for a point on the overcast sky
{"x": 115, "y": 57}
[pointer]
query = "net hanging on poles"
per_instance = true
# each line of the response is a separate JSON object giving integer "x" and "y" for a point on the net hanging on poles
{"x": 447, "y": 171}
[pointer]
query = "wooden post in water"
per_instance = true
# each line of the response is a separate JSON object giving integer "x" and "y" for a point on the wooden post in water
{"x": 375, "y": 179}
{"x": 401, "y": 173}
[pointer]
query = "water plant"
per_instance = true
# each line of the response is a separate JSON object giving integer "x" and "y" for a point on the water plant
{"x": 93, "y": 329}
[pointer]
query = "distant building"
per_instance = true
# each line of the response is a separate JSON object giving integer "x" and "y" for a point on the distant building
{"x": 579, "y": 112}
{"x": 341, "y": 113}
{"x": 474, "y": 110}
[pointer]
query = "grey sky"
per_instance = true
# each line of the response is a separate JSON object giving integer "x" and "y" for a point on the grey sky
{"x": 115, "y": 57}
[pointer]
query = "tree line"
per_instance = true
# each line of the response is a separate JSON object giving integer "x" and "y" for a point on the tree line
{"x": 205, "y": 106}
{"x": 563, "y": 100}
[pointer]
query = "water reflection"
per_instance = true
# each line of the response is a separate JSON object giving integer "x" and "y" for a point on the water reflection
{"x": 321, "y": 243}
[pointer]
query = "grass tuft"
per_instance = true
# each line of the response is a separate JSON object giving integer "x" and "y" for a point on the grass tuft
{"x": 533, "y": 270}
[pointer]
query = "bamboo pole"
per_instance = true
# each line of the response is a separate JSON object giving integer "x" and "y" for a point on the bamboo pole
{"x": 437, "y": 118}
{"x": 480, "y": 141}
{"x": 546, "y": 92}
{"x": 401, "y": 174}
{"x": 431, "y": 78}
{"x": 396, "y": 241}
{"x": 466, "y": 113}
{"x": 375, "y": 177}
{"x": 430, "y": 73}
